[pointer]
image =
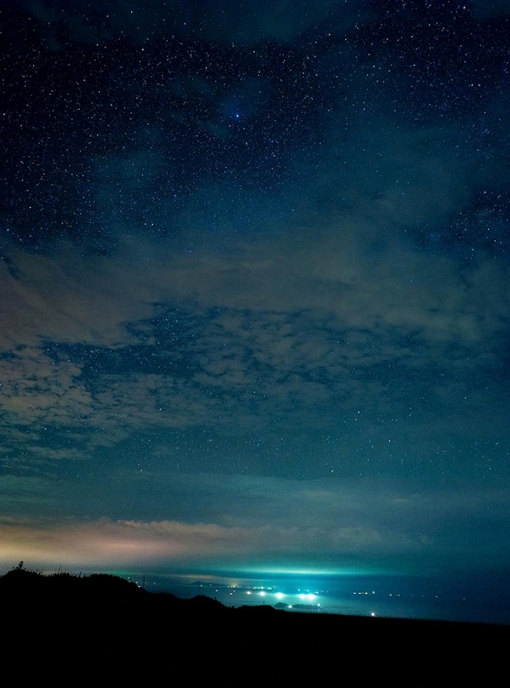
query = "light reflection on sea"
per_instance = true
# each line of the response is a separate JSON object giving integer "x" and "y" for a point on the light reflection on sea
{"x": 395, "y": 597}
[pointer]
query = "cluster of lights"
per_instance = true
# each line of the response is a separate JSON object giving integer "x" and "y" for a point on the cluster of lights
{"x": 309, "y": 596}
{"x": 280, "y": 595}
{"x": 272, "y": 592}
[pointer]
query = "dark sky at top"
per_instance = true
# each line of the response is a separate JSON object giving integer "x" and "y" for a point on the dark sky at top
{"x": 254, "y": 284}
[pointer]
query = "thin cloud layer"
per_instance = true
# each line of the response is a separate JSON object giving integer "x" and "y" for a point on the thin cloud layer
{"x": 333, "y": 523}
{"x": 301, "y": 323}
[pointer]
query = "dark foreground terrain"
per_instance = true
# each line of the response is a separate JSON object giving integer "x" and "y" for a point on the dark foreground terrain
{"x": 103, "y": 630}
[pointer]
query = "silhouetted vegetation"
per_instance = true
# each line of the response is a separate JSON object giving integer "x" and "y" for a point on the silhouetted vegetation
{"x": 75, "y": 629}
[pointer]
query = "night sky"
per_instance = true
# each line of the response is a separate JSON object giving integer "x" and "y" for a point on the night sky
{"x": 255, "y": 286}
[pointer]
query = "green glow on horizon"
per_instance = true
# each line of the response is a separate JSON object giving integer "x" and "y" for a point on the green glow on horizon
{"x": 268, "y": 571}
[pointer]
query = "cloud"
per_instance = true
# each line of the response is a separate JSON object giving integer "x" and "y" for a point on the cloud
{"x": 275, "y": 521}
{"x": 327, "y": 270}
{"x": 107, "y": 543}
{"x": 313, "y": 322}
{"x": 67, "y": 297}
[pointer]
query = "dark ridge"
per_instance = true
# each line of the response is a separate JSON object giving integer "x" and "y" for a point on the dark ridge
{"x": 78, "y": 629}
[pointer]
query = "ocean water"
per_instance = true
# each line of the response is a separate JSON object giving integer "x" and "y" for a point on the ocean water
{"x": 481, "y": 600}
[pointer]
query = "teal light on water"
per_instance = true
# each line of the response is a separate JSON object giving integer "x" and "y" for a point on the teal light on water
{"x": 297, "y": 571}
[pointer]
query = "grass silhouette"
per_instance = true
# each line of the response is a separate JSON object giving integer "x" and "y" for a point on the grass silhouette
{"x": 76, "y": 629}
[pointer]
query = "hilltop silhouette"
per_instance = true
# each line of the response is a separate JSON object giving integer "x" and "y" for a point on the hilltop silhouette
{"x": 74, "y": 629}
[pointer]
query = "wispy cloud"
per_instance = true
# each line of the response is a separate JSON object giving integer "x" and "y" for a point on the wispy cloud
{"x": 310, "y": 322}
{"x": 279, "y": 521}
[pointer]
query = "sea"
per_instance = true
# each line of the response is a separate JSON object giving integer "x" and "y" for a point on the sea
{"x": 481, "y": 599}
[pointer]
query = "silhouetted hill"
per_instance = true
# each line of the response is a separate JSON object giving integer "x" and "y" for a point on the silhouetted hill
{"x": 75, "y": 630}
